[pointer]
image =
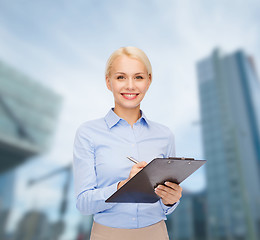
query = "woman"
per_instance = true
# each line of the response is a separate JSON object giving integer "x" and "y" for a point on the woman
{"x": 101, "y": 147}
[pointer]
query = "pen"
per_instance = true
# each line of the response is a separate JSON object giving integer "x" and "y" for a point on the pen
{"x": 132, "y": 159}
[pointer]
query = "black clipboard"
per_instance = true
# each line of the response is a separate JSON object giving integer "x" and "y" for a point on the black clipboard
{"x": 140, "y": 188}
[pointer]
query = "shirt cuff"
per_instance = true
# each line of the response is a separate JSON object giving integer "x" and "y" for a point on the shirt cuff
{"x": 168, "y": 209}
{"x": 110, "y": 190}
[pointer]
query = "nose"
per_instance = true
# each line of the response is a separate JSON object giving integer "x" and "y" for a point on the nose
{"x": 130, "y": 84}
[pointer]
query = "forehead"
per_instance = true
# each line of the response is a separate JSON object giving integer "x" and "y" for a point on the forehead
{"x": 127, "y": 64}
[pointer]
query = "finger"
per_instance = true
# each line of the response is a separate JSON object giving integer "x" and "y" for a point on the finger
{"x": 166, "y": 189}
{"x": 169, "y": 191}
{"x": 173, "y": 186}
{"x": 171, "y": 201}
{"x": 166, "y": 198}
{"x": 137, "y": 168}
{"x": 141, "y": 164}
{"x": 169, "y": 198}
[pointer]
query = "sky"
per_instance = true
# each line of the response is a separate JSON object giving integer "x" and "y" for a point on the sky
{"x": 64, "y": 45}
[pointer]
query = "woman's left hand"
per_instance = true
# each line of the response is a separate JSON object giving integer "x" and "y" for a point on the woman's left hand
{"x": 170, "y": 194}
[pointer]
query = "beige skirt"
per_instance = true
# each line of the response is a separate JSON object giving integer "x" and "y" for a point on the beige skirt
{"x": 157, "y": 231}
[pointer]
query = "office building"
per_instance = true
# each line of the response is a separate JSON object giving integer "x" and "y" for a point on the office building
{"x": 229, "y": 93}
{"x": 7, "y": 180}
{"x": 33, "y": 225}
{"x": 28, "y": 117}
{"x": 188, "y": 221}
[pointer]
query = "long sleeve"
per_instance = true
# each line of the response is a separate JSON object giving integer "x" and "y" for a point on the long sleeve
{"x": 168, "y": 210}
{"x": 90, "y": 199}
{"x": 100, "y": 150}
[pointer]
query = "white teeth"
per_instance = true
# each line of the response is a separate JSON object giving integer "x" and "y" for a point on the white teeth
{"x": 129, "y": 95}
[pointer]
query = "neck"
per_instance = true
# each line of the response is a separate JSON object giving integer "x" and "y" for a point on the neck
{"x": 130, "y": 115}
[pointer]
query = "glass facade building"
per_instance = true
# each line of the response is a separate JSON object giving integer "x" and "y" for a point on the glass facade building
{"x": 230, "y": 103}
{"x": 188, "y": 222}
{"x": 7, "y": 181}
{"x": 28, "y": 117}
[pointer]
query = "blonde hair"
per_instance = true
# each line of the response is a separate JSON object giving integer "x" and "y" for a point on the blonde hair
{"x": 132, "y": 52}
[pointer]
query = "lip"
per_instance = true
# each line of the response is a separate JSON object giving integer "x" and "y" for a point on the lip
{"x": 130, "y": 96}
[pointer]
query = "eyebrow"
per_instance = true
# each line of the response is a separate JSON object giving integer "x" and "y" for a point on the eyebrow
{"x": 134, "y": 74}
{"x": 119, "y": 73}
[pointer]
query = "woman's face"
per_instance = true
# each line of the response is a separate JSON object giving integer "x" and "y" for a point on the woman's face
{"x": 128, "y": 81}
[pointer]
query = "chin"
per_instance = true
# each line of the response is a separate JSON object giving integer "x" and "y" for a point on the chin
{"x": 130, "y": 106}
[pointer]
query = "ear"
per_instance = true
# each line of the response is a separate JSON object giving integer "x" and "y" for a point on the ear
{"x": 108, "y": 83}
{"x": 150, "y": 80}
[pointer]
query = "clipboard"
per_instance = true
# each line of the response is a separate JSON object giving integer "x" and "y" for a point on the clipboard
{"x": 140, "y": 188}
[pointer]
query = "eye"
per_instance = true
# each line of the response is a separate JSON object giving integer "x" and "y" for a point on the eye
{"x": 120, "y": 77}
{"x": 139, "y": 77}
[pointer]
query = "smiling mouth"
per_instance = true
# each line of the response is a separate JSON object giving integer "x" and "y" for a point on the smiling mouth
{"x": 130, "y": 95}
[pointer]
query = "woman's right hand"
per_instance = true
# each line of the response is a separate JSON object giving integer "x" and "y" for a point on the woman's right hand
{"x": 135, "y": 169}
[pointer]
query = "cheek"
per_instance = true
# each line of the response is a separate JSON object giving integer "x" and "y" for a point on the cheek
{"x": 144, "y": 87}
{"x": 115, "y": 88}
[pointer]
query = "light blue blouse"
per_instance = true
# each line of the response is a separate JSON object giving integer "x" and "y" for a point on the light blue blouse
{"x": 100, "y": 150}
